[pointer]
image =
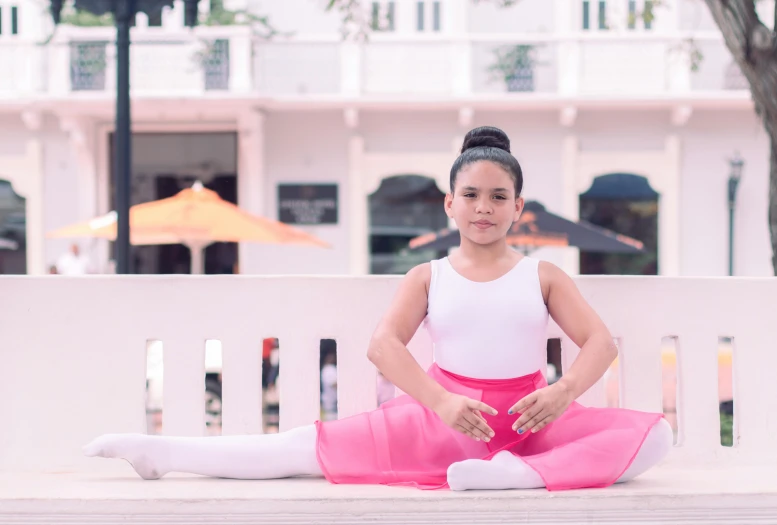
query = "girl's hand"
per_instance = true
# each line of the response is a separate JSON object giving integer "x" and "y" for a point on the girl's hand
{"x": 464, "y": 415}
{"x": 541, "y": 407}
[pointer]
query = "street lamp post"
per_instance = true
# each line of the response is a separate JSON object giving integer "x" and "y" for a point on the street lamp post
{"x": 735, "y": 175}
{"x": 124, "y": 12}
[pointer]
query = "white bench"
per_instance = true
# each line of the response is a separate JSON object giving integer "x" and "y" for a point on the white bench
{"x": 74, "y": 356}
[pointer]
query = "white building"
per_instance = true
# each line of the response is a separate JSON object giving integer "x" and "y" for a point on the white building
{"x": 602, "y": 95}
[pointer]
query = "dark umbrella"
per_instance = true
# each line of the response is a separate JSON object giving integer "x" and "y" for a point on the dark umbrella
{"x": 538, "y": 227}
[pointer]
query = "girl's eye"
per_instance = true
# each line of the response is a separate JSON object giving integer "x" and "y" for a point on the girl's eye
{"x": 500, "y": 197}
{"x": 468, "y": 195}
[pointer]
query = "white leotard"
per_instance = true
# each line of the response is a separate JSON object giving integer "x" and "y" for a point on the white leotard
{"x": 488, "y": 330}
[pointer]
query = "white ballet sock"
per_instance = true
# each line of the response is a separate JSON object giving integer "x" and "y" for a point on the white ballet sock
{"x": 503, "y": 471}
{"x": 507, "y": 471}
{"x": 263, "y": 456}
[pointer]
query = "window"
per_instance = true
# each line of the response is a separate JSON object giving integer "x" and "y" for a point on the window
{"x": 632, "y": 14}
{"x": 14, "y": 20}
{"x": 648, "y": 15}
{"x": 422, "y": 14}
{"x": 155, "y": 19}
{"x": 602, "y": 14}
{"x": 1, "y": 20}
{"x": 586, "y": 15}
{"x": 382, "y": 16}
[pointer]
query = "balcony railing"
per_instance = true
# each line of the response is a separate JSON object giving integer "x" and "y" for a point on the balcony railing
{"x": 172, "y": 63}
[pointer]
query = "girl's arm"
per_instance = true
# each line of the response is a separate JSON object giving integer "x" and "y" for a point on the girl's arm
{"x": 597, "y": 351}
{"x": 582, "y": 325}
{"x": 388, "y": 352}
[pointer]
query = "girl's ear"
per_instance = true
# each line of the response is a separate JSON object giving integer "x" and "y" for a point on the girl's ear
{"x": 449, "y": 205}
{"x": 519, "y": 202}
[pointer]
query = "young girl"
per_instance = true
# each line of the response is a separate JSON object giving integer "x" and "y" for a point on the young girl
{"x": 483, "y": 416}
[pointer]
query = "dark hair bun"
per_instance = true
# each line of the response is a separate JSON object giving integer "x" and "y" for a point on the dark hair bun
{"x": 486, "y": 136}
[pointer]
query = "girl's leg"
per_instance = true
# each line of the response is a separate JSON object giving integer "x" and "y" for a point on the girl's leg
{"x": 506, "y": 471}
{"x": 263, "y": 456}
{"x": 657, "y": 445}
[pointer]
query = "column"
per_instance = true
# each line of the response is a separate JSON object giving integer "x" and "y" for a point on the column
{"x": 669, "y": 210}
{"x": 251, "y": 179}
{"x": 83, "y": 143}
{"x": 350, "y": 68}
{"x": 36, "y": 265}
{"x": 567, "y": 47}
{"x": 58, "y": 66}
{"x": 454, "y": 24}
{"x": 405, "y": 21}
{"x": 24, "y": 170}
{"x": 25, "y": 173}
{"x": 358, "y": 212}
{"x": 240, "y": 56}
{"x": 569, "y": 161}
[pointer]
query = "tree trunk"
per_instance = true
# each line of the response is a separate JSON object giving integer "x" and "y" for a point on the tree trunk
{"x": 752, "y": 45}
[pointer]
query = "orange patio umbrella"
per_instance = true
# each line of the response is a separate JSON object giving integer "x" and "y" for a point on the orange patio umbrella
{"x": 194, "y": 217}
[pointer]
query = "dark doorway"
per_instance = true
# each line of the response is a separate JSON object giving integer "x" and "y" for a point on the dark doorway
{"x": 220, "y": 257}
{"x": 625, "y": 204}
{"x": 153, "y": 185}
{"x": 403, "y": 207}
{"x": 13, "y": 231}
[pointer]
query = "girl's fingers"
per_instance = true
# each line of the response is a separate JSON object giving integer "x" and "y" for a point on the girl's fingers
{"x": 527, "y": 416}
{"x": 524, "y": 403}
{"x": 466, "y": 432}
{"x": 478, "y": 427}
{"x": 542, "y": 424}
{"x": 532, "y": 422}
{"x": 482, "y": 407}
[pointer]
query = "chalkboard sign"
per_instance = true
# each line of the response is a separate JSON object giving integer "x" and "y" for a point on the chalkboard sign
{"x": 307, "y": 203}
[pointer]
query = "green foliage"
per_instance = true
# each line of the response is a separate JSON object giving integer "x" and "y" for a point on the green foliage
{"x": 81, "y": 18}
{"x": 221, "y": 16}
{"x": 513, "y": 59}
{"x": 726, "y": 429}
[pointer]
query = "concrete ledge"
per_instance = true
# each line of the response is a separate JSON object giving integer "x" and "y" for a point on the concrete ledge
{"x": 666, "y": 495}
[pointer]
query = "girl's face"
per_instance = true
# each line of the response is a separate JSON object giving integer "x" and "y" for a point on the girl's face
{"x": 483, "y": 203}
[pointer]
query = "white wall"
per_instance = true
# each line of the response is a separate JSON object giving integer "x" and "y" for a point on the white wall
{"x": 305, "y": 147}
{"x": 313, "y": 146}
{"x": 709, "y": 140}
{"x": 408, "y": 131}
{"x": 300, "y": 16}
{"x": 531, "y": 16}
{"x": 60, "y": 191}
{"x": 60, "y": 181}
{"x": 695, "y": 16}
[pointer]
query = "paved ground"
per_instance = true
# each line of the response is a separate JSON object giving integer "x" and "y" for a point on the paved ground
{"x": 742, "y": 495}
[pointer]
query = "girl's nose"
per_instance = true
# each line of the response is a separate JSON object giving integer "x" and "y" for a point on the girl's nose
{"x": 483, "y": 207}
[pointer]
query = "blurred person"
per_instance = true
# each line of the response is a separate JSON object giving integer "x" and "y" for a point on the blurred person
{"x": 73, "y": 262}
{"x": 329, "y": 387}
{"x": 483, "y": 415}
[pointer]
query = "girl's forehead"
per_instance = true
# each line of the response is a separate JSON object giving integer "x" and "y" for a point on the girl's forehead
{"x": 484, "y": 169}
{"x": 485, "y": 177}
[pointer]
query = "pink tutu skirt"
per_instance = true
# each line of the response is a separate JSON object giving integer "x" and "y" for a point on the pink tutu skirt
{"x": 404, "y": 443}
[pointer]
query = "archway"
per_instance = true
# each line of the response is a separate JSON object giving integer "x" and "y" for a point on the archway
{"x": 164, "y": 164}
{"x": 626, "y": 204}
{"x": 13, "y": 230}
{"x": 403, "y": 207}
